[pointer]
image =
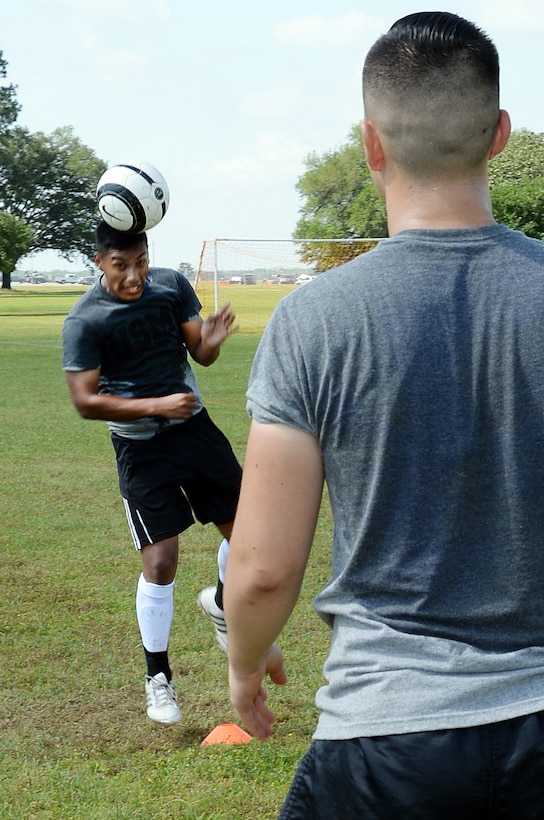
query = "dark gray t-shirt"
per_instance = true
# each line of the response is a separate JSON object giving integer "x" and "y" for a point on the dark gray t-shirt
{"x": 137, "y": 345}
{"x": 419, "y": 368}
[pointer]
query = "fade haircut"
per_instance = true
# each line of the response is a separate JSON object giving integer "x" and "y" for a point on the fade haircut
{"x": 431, "y": 88}
{"x": 108, "y": 239}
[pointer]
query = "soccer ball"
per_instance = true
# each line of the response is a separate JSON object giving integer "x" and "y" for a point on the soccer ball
{"x": 132, "y": 196}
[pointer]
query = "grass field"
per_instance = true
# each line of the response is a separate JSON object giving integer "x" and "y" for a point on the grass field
{"x": 75, "y": 741}
{"x": 253, "y": 303}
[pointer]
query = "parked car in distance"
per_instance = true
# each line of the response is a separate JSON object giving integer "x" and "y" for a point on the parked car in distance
{"x": 235, "y": 280}
{"x": 87, "y": 280}
{"x": 287, "y": 280}
{"x": 304, "y": 278}
{"x": 67, "y": 279}
{"x": 35, "y": 279}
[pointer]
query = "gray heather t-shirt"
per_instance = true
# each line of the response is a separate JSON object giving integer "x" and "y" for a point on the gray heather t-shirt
{"x": 419, "y": 368}
{"x": 137, "y": 345}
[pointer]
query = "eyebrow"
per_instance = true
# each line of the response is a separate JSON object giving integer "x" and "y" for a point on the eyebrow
{"x": 119, "y": 255}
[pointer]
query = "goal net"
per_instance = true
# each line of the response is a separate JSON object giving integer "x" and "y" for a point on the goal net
{"x": 272, "y": 267}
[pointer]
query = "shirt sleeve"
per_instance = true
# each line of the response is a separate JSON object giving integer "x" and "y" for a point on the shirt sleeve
{"x": 279, "y": 389}
{"x": 190, "y": 301}
{"x": 80, "y": 348}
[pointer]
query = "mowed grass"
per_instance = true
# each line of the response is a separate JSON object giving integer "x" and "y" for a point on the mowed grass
{"x": 253, "y": 304}
{"x": 74, "y": 738}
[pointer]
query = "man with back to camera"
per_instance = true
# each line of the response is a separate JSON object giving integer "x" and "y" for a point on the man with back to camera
{"x": 411, "y": 380}
{"x": 125, "y": 345}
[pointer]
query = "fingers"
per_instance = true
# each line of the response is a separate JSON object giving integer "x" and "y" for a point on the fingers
{"x": 178, "y": 405}
{"x": 216, "y": 328}
{"x": 274, "y": 666}
{"x": 248, "y": 695}
{"x": 225, "y": 314}
{"x": 257, "y": 717}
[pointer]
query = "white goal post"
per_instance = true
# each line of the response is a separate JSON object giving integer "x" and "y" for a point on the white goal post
{"x": 268, "y": 262}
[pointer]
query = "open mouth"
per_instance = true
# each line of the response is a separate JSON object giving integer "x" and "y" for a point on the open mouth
{"x": 133, "y": 289}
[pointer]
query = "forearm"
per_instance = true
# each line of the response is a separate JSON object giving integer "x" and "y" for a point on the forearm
{"x": 204, "y": 338}
{"x": 271, "y": 539}
{"x": 90, "y": 403}
{"x": 205, "y": 354}
{"x": 256, "y": 614}
{"x": 118, "y": 408}
{"x": 269, "y": 548}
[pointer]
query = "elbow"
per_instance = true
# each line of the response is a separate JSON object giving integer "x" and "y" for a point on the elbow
{"x": 205, "y": 356}
{"x": 84, "y": 412}
{"x": 268, "y": 582}
{"x": 84, "y": 409}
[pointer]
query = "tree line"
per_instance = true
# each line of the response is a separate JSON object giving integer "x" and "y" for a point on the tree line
{"x": 47, "y": 188}
{"x": 341, "y": 202}
{"x": 48, "y": 183}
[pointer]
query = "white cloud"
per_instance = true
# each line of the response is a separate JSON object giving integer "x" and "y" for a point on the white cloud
{"x": 279, "y": 149}
{"x": 278, "y": 101}
{"x": 522, "y": 15}
{"x": 272, "y": 157}
{"x": 103, "y": 9}
{"x": 123, "y": 59}
{"x": 318, "y": 31}
{"x": 129, "y": 11}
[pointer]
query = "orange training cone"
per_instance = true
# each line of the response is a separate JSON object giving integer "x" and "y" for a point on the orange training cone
{"x": 226, "y": 733}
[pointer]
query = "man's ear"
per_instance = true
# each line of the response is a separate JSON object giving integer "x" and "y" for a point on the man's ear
{"x": 97, "y": 260}
{"x": 502, "y": 133}
{"x": 373, "y": 146}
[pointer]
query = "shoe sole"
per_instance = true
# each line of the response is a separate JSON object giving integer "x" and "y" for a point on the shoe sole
{"x": 165, "y": 722}
{"x": 219, "y": 626}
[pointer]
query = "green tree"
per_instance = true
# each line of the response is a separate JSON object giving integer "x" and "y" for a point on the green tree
{"x": 187, "y": 270}
{"x": 516, "y": 177}
{"x": 520, "y": 205}
{"x": 15, "y": 241}
{"x": 50, "y": 181}
{"x": 522, "y": 157}
{"x": 9, "y": 107}
{"x": 15, "y": 236}
{"x": 340, "y": 200}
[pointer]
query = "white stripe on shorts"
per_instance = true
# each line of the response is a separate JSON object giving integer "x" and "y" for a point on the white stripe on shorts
{"x": 132, "y": 527}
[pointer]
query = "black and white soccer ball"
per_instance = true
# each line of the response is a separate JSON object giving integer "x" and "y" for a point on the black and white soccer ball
{"x": 132, "y": 196}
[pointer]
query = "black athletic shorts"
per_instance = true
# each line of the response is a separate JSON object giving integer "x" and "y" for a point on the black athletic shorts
{"x": 492, "y": 772}
{"x": 188, "y": 469}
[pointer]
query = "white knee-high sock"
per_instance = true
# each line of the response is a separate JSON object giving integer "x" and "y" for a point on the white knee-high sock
{"x": 222, "y": 554}
{"x": 154, "y": 610}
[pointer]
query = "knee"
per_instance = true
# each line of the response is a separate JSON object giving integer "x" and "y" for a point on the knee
{"x": 159, "y": 563}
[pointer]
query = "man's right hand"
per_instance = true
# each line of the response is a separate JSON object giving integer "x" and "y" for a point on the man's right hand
{"x": 91, "y": 404}
{"x": 177, "y": 405}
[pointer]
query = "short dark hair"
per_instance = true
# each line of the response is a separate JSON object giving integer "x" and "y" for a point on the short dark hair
{"x": 427, "y": 40}
{"x": 432, "y": 85}
{"x": 107, "y": 239}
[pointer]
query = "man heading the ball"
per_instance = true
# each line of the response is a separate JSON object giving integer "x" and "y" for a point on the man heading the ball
{"x": 125, "y": 346}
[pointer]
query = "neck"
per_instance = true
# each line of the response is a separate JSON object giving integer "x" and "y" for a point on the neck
{"x": 464, "y": 204}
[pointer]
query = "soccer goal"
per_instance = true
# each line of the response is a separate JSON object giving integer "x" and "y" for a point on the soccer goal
{"x": 259, "y": 271}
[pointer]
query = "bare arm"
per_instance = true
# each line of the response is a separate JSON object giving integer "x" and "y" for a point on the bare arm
{"x": 204, "y": 338}
{"x": 275, "y": 523}
{"x": 84, "y": 385}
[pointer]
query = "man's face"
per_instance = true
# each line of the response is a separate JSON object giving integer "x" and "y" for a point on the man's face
{"x": 125, "y": 271}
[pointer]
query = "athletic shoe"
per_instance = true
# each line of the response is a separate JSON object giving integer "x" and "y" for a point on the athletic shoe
{"x": 161, "y": 699}
{"x": 206, "y": 602}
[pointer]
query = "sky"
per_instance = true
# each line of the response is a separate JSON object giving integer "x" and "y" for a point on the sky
{"x": 227, "y": 98}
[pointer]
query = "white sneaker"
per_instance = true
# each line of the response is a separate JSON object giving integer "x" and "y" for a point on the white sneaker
{"x": 206, "y": 602}
{"x": 161, "y": 699}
